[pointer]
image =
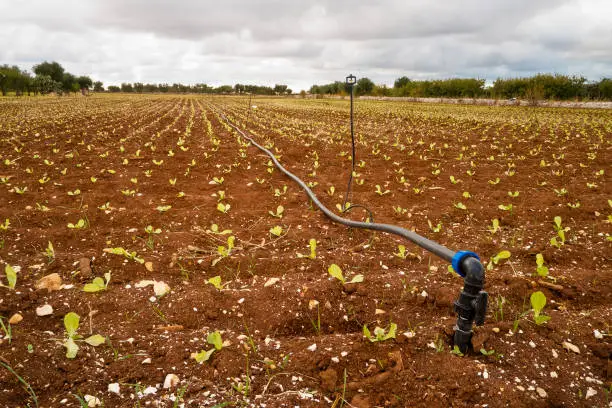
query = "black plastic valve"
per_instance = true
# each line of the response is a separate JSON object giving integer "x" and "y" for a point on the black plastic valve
{"x": 480, "y": 307}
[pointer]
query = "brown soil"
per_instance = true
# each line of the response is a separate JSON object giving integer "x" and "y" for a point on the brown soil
{"x": 281, "y": 349}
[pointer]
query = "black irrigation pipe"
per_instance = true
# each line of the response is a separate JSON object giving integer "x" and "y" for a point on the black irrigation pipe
{"x": 472, "y": 303}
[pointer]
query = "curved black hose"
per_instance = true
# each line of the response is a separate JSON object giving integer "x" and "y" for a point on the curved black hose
{"x": 423, "y": 242}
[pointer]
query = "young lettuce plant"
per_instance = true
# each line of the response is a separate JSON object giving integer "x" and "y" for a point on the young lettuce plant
{"x": 132, "y": 256}
{"x": 279, "y": 212}
{"x": 312, "y": 243}
{"x": 496, "y": 259}
{"x": 71, "y": 323}
{"x": 50, "y": 253}
{"x": 538, "y": 301}
{"x": 541, "y": 269}
{"x": 98, "y": 284}
{"x": 151, "y": 232}
{"x": 335, "y": 271}
{"x": 277, "y": 231}
{"x": 213, "y": 339}
{"x": 214, "y": 229}
{"x": 224, "y": 251}
{"x": 560, "y": 233}
{"x": 380, "y": 334}
{"x": 11, "y": 277}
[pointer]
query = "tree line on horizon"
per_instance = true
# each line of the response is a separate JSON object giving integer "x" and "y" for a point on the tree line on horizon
{"x": 52, "y": 77}
{"x": 537, "y": 87}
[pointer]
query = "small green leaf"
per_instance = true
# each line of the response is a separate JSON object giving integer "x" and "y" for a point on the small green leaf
{"x": 538, "y": 301}
{"x": 11, "y": 276}
{"x": 95, "y": 340}
{"x": 335, "y": 271}
{"x": 71, "y": 348}
{"x": 357, "y": 279}
{"x": 503, "y": 255}
{"x": 366, "y": 332}
{"x": 216, "y": 282}
{"x": 71, "y": 323}
{"x": 214, "y": 338}
{"x": 203, "y": 355}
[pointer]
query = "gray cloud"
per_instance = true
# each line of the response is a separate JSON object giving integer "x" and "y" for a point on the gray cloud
{"x": 306, "y": 42}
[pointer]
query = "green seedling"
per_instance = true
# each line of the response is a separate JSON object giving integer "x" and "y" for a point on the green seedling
{"x": 5, "y": 226}
{"x": 163, "y": 208}
{"x": 496, "y": 259}
{"x": 435, "y": 229}
{"x": 172, "y": 181}
{"x": 494, "y": 226}
{"x": 223, "y": 251}
{"x": 560, "y": 192}
{"x": 456, "y": 351}
{"x": 541, "y": 269}
{"x": 340, "y": 209}
{"x": 218, "y": 180}
{"x": 494, "y": 182}
{"x": 538, "y": 301}
{"x": 20, "y": 190}
{"x": 560, "y": 233}
{"x": 6, "y": 329}
{"x": 380, "y": 192}
{"x": 213, "y": 339}
{"x": 513, "y": 194}
{"x": 74, "y": 193}
{"x": 453, "y": 180}
{"x": 50, "y": 253}
{"x": 220, "y": 195}
{"x": 71, "y": 324}
{"x": 216, "y": 282}
{"x": 312, "y": 243}
{"x": 158, "y": 162}
{"x": 151, "y": 232}
{"x": 380, "y": 334}
{"x": 132, "y": 256}
{"x": 224, "y": 208}
{"x": 460, "y": 206}
{"x": 81, "y": 224}
{"x": 277, "y": 231}
{"x": 279, "y": 212}
{"x": 214, "y": 229}
{"x": 508, "y": 207}
{"x": 331, "y": 190}
{"x": 98, "y": 284}
{"x": 278, "y": 193}
{"x": 11, "y": 277}
{"x": 335, "y": 271}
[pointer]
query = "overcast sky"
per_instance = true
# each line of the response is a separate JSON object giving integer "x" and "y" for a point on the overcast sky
{"x": 302, "y": 42}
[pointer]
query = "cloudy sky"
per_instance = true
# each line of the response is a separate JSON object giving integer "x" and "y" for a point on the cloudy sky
{"x": 301, "y": 42}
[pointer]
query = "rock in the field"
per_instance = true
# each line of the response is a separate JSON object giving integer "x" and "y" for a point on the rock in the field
{"x": 92, "y": 401}
{"x": 590, "y": 393}
{"x": 149, "y": 266}
{"x": 85, "y": 268}
{"x": 44, "y": 310}
{"x": 171, "y": 381}
{"x": 50, "y": 282}
{"x": 114, "y": 388}
{"x": 541, "y": 392}
{"x": 160, "y": 288}
{"x": 569, "y": 346}
{"x": 598, "y": 334}
{"x": 271, "y": 282}
{"x": 16, "y": 318}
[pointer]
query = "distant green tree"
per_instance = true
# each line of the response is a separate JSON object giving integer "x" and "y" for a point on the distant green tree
{"x": 280, "y": 89}
{"x": 401, "y": 82}
{"x": 53, "y": 69}
{"x": 98, "y": 86}
{"x": 364, "y": 86}
{"x": 113, "y": 88}
{"x": 138, "y": 87}
{"x": 126, "y": 87}
{"x": 44, "y": 84}
{"x": 84, "y": 82}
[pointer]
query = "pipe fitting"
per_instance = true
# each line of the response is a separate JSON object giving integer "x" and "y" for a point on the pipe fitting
{"x": 471, "y": 307}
